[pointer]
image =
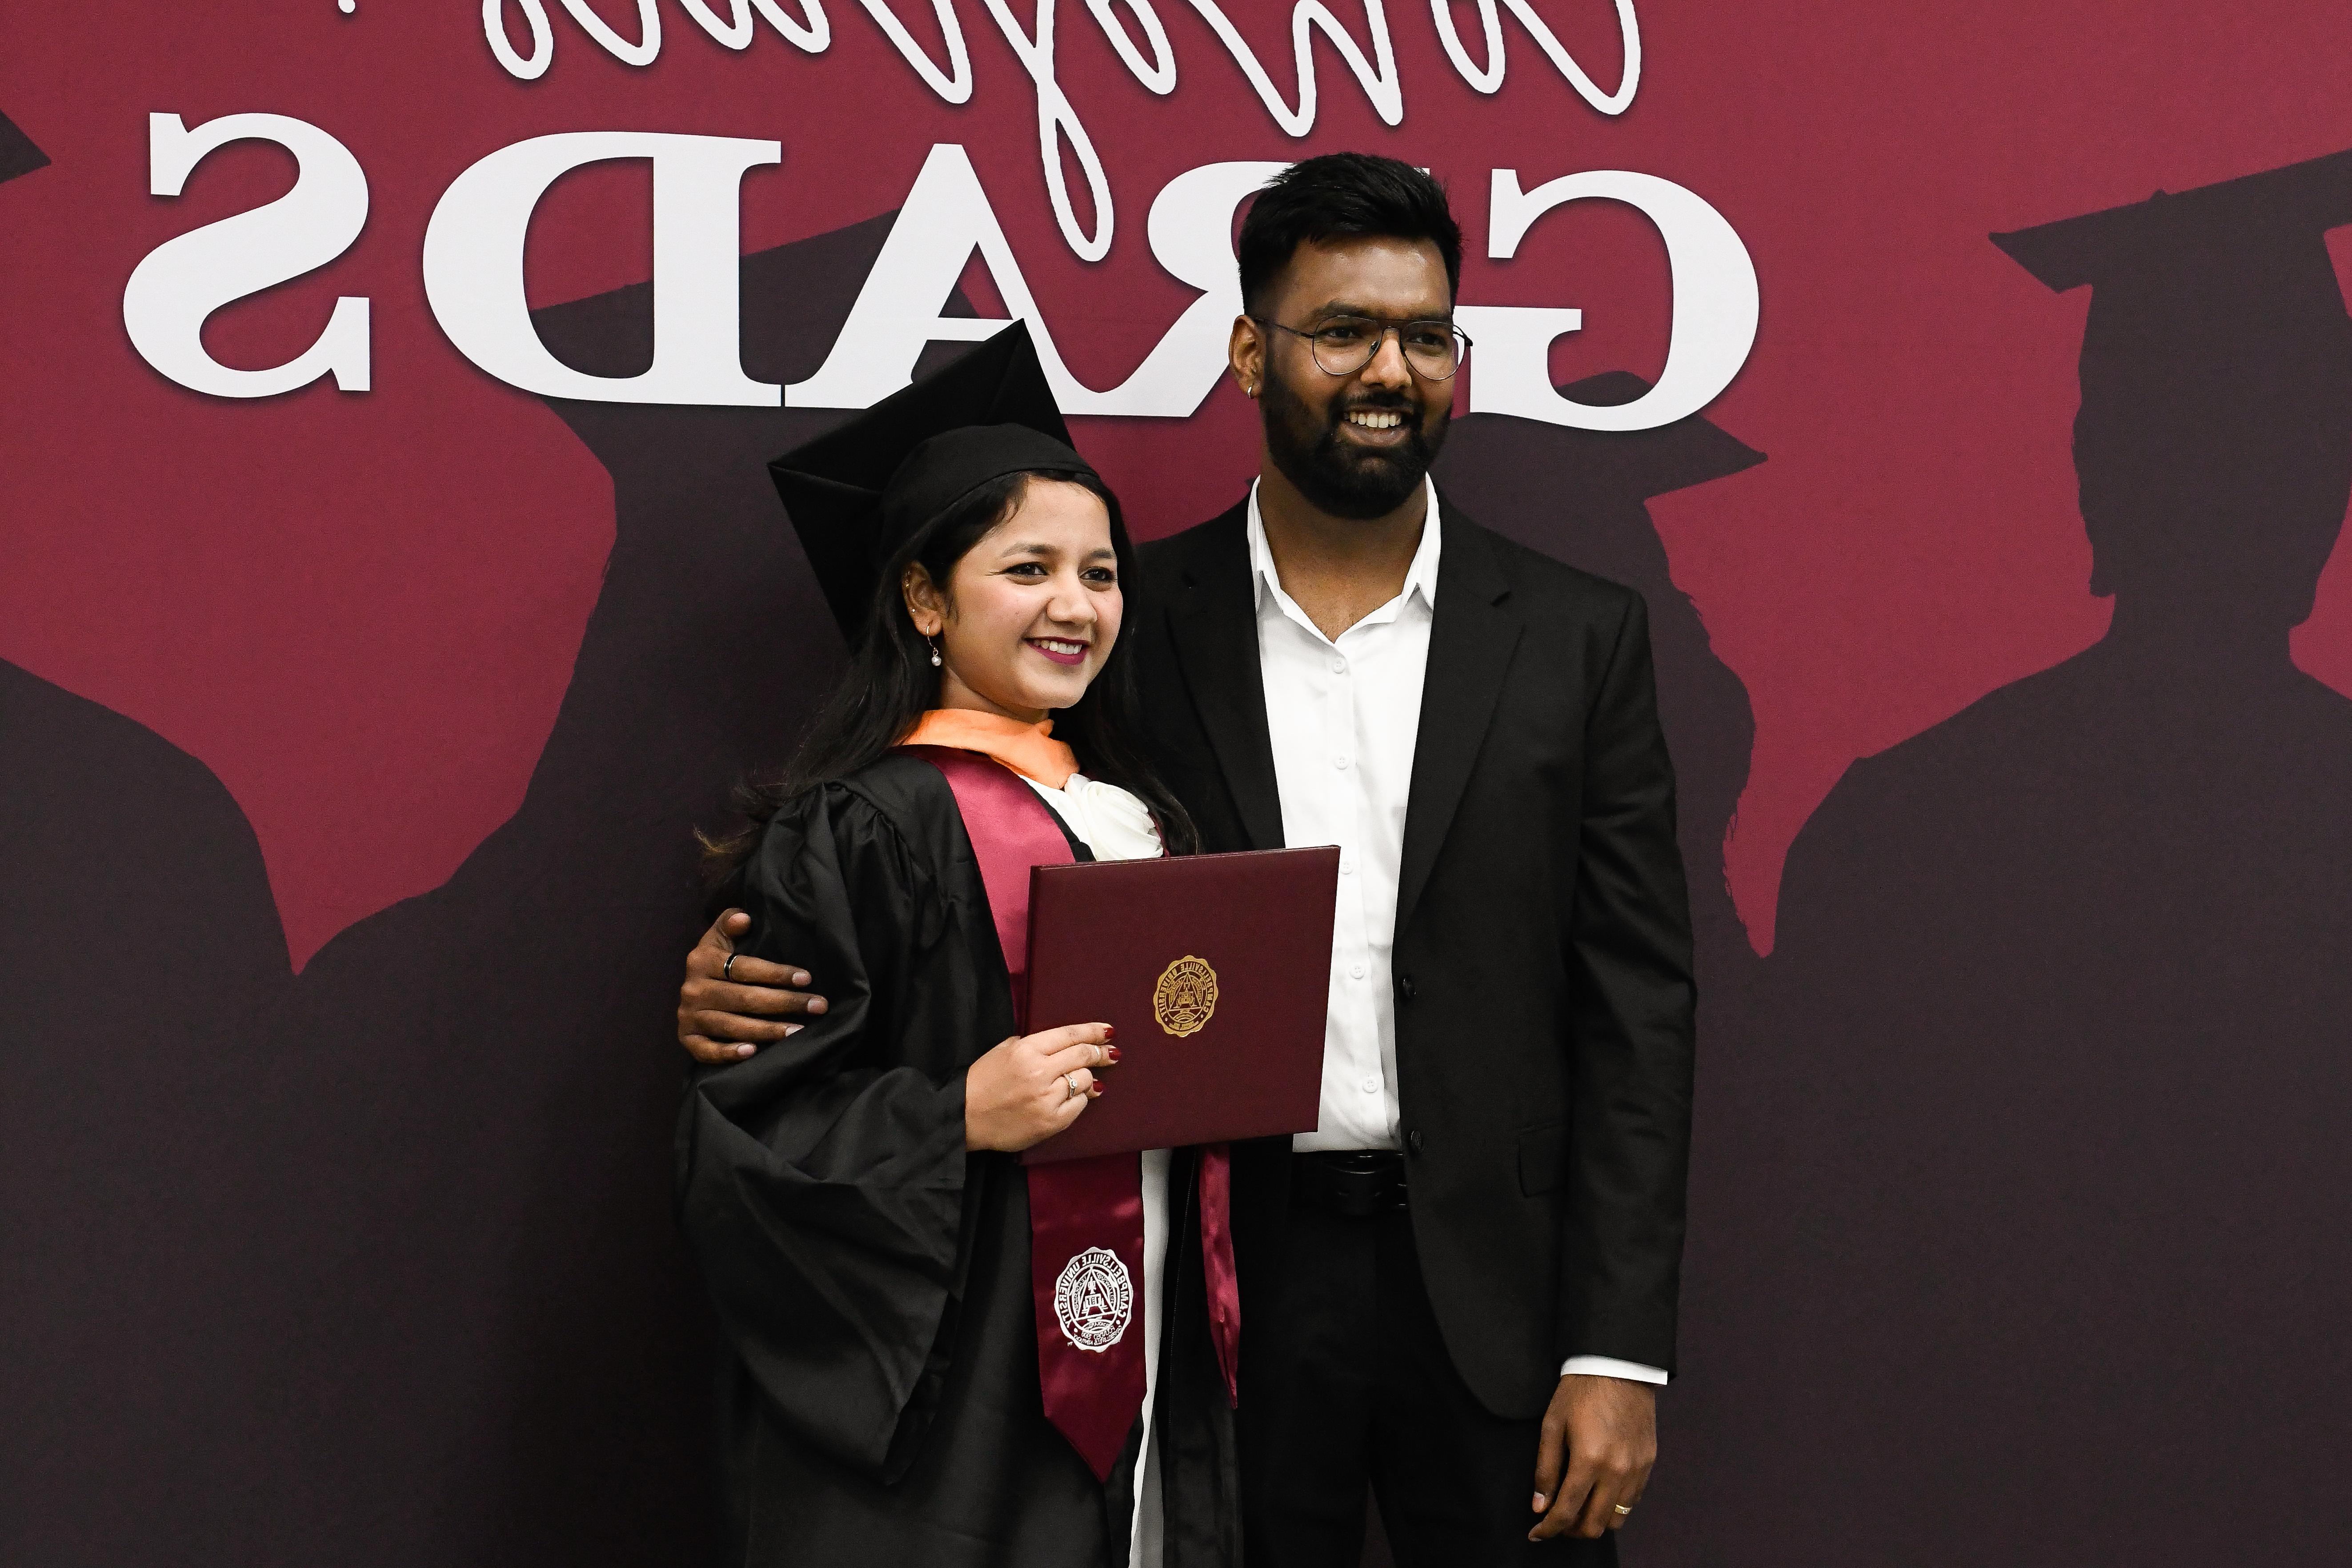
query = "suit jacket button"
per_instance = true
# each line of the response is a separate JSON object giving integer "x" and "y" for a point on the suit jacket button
{"x": 1413, "y": 1140}
{"x": 1404, "y": 986}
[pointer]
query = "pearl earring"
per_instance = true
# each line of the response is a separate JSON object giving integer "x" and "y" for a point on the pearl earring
{"x": 935, "y": 654}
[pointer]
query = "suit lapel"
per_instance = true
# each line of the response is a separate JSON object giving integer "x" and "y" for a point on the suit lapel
{"x": 1213, "y": 624}
{"x": 1471, "y": 635}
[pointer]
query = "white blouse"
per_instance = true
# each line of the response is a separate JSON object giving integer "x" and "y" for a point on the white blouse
{"x": 1116, "y": 826}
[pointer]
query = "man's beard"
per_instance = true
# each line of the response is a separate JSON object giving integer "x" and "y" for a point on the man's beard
{"x": 1345, "y": 481}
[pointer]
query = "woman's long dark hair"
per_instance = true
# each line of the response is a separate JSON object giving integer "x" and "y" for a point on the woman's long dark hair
{"x": 892, "y": 682}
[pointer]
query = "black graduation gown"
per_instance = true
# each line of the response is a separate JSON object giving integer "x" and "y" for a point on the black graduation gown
{"x": 871, "y": 1277}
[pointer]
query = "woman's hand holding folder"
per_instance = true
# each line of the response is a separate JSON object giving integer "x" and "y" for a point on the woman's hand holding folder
{"x": 1030, "y": 1086}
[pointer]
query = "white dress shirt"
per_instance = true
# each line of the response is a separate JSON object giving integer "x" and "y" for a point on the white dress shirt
{"x": 1115, "y": 825}
{"x": 1343, "y": 715}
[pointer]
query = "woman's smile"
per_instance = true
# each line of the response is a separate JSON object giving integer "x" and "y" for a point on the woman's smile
{"x": 1061, "y": 650}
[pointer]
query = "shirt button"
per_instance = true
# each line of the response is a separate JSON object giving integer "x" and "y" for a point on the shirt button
{"x": 1339, "y": 762}
{"x": 1339, "y": 667}
{"x": 1347, "y": 865}
{"x": 1356, "y": 970}
{"x": 1371, "y": 1083}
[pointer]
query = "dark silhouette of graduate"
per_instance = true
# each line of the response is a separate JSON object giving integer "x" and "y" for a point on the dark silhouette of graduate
{"x": 504, "y": 1318}
{"x": 128, "y": 1133}
{"x": 2064, "y": 990}
{"x": 129, "y": 1151}
{"x": 1581, "y": 497}
{"x": 376, "y": 1266}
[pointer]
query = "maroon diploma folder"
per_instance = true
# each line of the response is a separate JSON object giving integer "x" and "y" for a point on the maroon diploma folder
{"x": 1216, "y": 972}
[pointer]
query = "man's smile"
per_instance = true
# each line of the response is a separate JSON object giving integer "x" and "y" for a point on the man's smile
{"x": 1378, "y": 427}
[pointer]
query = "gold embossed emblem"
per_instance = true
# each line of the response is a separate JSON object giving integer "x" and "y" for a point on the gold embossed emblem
{"x": 1186, "y": 998}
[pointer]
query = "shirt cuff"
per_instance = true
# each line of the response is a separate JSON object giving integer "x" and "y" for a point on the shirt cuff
{"x": 1608, "y": 1366}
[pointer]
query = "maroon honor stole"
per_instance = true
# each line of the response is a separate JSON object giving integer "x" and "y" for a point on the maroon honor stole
{"x": 1085, "y": 1216}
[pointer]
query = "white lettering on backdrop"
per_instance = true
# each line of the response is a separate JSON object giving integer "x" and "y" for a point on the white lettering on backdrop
{"x": 947, "y": 217}
{"x": 1057, "y": 119}
{"x": 1715, "y": 309}
{"x": 473, "y": 268}
{"x": 184, "y": 279}
{"x": 474, "y": 279}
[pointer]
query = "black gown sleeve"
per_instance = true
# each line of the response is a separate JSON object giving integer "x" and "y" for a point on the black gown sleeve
{"x": 822, "y": 1181}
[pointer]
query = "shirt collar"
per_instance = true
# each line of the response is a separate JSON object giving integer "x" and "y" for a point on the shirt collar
{"x": 1420, "y": 578}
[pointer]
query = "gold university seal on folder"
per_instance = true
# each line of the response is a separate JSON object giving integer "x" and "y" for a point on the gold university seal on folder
{"x": 1186, "y": 996}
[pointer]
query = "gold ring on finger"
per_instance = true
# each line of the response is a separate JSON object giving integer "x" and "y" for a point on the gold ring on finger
{"x": 1623, "y": 1508}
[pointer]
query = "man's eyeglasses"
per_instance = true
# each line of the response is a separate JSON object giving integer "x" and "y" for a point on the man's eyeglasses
{"x": 1342, "y": 345}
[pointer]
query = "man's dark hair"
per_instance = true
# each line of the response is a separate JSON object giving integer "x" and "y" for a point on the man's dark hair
{"x": 1343, "y": 196}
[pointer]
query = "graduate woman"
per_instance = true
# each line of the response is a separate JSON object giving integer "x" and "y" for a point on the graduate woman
{"x": 941, "y": 1356}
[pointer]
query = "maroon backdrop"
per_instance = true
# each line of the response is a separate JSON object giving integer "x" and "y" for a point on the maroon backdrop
{"x": 349, "y": 743}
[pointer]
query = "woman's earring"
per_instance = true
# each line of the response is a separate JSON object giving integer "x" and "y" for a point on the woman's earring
{"x": 935, "y": 652}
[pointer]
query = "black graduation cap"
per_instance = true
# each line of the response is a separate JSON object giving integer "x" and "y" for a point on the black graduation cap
{"x": 2220, "y": 298}
{"x": 859, "y": 492}
{"x": 1638, "y": 465}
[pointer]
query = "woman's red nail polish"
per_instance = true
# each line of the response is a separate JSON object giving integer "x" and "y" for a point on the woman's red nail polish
{"x": 1111, "y": 1053}
{"x": 1110, "y": 1032}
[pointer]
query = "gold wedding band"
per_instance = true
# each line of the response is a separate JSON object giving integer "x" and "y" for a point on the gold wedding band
{"x": 1623, "y": 1509}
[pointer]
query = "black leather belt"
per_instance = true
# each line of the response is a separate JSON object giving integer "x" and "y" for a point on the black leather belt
{"x": 1359, "y": 1183}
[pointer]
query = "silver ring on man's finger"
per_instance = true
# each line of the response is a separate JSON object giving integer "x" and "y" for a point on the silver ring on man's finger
{"x": 727, "y": 970}
{"x": 1070, "y": 1082}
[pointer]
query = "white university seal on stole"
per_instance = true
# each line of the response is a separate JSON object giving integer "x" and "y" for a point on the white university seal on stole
{"x": 1094, "y": 1298}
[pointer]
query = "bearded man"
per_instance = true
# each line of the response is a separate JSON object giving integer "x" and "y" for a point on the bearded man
{"x": 1459, "y": 1291}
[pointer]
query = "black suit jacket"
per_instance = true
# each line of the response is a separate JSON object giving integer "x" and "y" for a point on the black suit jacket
{"x": 1544, "y": 999}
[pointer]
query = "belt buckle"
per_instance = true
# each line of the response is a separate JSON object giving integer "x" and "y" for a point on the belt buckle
{"x": 1361, "y": 1185}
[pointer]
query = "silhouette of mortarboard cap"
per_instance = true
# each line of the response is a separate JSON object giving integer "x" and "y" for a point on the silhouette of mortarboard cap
{"x": 19, "y": 155}
{"x": 2214, "y": 297}
{"x": 859, "y": 493}
{"x": 1634, "y": 466}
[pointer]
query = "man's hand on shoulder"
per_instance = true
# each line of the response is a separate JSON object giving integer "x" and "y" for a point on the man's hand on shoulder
{"x": 1605, "y": 1432}
{"x": 731, "y": 1006}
